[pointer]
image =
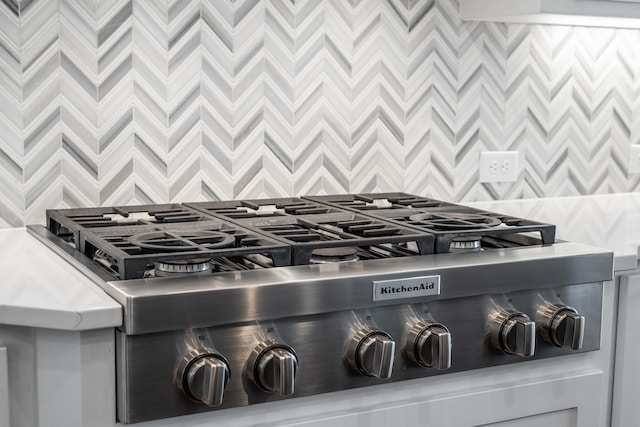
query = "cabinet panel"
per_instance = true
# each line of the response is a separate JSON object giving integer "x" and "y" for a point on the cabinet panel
{"x": 571, "y": 401}
{"x": 58, "y": 373}
{"x": 626, "y": 385}
{"x": 19, "y": 357}
{"x": 566, "y": 418}
{"x": 4, "y": 388}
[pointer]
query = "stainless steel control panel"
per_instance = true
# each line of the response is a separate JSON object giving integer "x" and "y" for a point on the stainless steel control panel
{"x": 256, "y": 362}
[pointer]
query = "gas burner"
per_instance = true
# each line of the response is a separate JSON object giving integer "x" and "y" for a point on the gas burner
{"x": 466, "y": 244}
{"x": 182, "y": 267}
{"x": 335, "y": 254}
{"x": 451, "y": 221}
{"x": 178, "y": 241}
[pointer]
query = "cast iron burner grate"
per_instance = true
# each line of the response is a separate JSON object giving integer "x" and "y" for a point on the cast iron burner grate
{"x": 378, "y": 201}
{"x": 372, "y": 238}
{"x": 236, "y": 235}
{"x": 129, "y": 240}
{"x": 262, "y": 208}
{"x": 67, "y": 223}
{"x": 132, "y": 251}
{"x": 446, "y": 221}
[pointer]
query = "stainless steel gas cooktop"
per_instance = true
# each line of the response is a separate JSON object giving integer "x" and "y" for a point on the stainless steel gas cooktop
{"x": 236, "y": 303}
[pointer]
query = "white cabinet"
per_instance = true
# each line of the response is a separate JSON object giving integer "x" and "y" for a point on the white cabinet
{"x": 4, "y": 388}
{"x": 56, "y": 378}
{"x": 601, "y": 13}
{"x": 564, "y": 402}
{"x": 625, "y": 408}
{"x": 501, "y": 397}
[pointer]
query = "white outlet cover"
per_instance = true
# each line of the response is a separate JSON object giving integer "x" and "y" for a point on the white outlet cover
{"x": 634, "y": 159}
{"x": 499, "y": 166}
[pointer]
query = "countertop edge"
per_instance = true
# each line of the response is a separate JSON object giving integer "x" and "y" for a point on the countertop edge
{"x": 42, "y": 297}
{"x": 81, "y": 320}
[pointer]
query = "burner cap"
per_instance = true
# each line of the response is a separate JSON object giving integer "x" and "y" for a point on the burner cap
{"x": 336, "y": 254}
{"x": 182, "y": 266}
{"x": 466, "y": 243}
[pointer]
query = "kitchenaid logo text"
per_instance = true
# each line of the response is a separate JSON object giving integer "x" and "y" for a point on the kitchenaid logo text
{"x": 406, "y": 288}
{"x": 392, "y": 290}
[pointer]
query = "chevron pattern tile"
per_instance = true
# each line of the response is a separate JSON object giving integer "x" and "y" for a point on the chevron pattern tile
{"x": 149, "y": 101}
{"x": 11, "y": 145}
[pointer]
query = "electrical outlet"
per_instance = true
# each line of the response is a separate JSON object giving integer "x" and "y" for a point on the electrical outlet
{"x": 498, "y": 166}
{"x": 634, "y": 159}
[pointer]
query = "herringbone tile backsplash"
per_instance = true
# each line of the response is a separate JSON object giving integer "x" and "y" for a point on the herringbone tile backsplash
{"x": 148, "y": 101}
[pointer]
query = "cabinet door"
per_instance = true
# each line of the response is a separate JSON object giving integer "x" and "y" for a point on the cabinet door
{"x": 4, "y": 388}
{"x": 626, "y": 384}
{"x": 570, "y": 401}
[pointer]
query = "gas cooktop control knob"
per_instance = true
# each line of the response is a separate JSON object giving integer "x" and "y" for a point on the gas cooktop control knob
{"x": 561, "y": 326}
{"x": 272, "y": 366}
{"x": 371, "y": 352}
{"x": 205, "y": 379}
{"x": 513, "y": 333}
{"x": 429, "y": 345}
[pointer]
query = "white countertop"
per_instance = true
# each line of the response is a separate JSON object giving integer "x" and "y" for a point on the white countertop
{"x": 610, "y": 221}
{"x": 40, "y": 289}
